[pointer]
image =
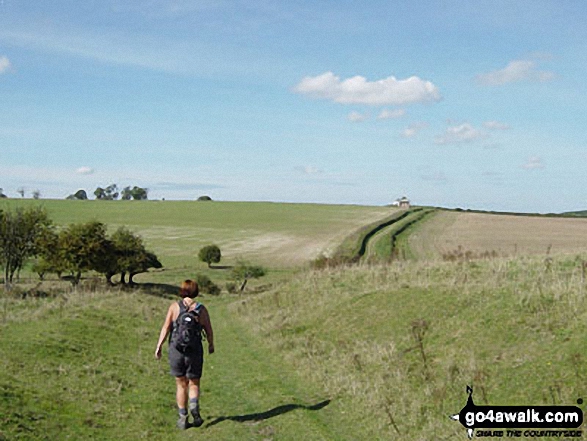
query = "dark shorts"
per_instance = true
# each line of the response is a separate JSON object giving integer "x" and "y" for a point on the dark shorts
{"x": 186, "y": 365}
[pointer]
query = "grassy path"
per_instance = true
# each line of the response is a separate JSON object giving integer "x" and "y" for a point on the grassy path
{"x": 249, "y": 393}
{"x": 83, "y": 368}
{"x": 385, "y": 242}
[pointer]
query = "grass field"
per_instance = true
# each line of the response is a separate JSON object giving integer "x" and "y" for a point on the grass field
{"x": 504, "y": 234}
{"x": 361, "y": 352}
{"x": 278, "y": 236}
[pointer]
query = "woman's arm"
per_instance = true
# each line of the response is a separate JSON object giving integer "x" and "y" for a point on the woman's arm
{"x": 165, "y": 329}
{"x": 207, "y": 325}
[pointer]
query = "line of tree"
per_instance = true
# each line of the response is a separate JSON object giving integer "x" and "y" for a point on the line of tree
{"x": 36, "y": 194}
{"x": 28, "y": 233}
{"x": 112, "y": 193}
{"x": 86, "y": 247}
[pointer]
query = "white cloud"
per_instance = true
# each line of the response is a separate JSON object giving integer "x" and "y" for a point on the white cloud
{"x": 495, "y": 125}
{"x": 357, "y": 117}
{"x": 357, "y": 90}
{"x": 534, "y": 163}
{"x": 4, "y": 64}
{"x": 413, "y": 129}
{"x": 516, "y": 70}
{"x": 85, "y": 171}
{"x": 391, "y": 114}
{"x": 462, "y": 133}
{"x": 309, "y": 170}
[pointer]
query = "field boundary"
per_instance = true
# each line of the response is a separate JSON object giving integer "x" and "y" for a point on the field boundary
{"x": 395, "y": 230}
{"x": 354, "y": 246}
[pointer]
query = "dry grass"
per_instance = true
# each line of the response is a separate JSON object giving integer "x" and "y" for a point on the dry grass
{"x": 398, "y": 343}
{"x": 506, "y": 235}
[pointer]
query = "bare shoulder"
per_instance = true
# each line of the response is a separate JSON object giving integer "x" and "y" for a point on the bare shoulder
{"x": 173, "y": 310}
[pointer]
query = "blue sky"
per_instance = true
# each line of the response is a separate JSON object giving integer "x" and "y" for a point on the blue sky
{"x": 477, "y": 104}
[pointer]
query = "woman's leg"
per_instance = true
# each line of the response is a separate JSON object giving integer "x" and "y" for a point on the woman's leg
{"x": 194, "y": 393}
{"x": 194, "y": 388}
{"x": 182, "y": 392}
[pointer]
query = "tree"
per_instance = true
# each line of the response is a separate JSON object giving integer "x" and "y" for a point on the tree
{"x": 49, "y": 258}
{"x": 100, "y": 193}
{"x": 136, "y": 193}
{"x": 125, "y": 194}
{"x": 111, "y": 192}
{"x": 143, "y": 262}
{"x": 81, "y": 195}
{"x": 130, "y": 256}
{"x": 107, "y": 194}
{"x": 210, "y": 254}
{"x": 85, "y": 247}
{"x": 19, "y": 233}
{"x": 2, "y": 195}
{"x": 242, "y": 272}
{"x": 128, "y": 247}
{"x": 139, "y": 193}
{"x": 204, "y": 198}
{"x": 20, "y": 191}
{"x": 36, "y": 194}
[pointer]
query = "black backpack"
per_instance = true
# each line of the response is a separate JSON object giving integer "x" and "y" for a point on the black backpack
{"x": 188, "y": 330}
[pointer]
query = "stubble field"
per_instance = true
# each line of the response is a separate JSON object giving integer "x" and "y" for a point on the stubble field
{"x": 505, "y": 235}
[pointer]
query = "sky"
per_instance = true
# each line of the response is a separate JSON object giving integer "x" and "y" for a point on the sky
{"x": 471, "y": 104}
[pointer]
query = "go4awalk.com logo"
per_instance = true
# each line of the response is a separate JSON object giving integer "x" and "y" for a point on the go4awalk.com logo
{"x": 517, "y": 421}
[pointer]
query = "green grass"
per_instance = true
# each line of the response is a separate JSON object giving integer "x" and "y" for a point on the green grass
{"x": 273, "y": 234}
{"x": 355, "y": 245}
{"x": 513, "y": 329}
{"x": 319, "y": 355}
{"x": 81, "y": 366}
{"x": 392, "y": 241}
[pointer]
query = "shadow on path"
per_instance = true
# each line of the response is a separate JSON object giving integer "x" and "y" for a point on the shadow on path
{"x": 158, "y": 289}
{"x": 261, "y": 416}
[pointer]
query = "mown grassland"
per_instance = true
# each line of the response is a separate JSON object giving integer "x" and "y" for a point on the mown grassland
{"x": 272, "y": 234}
{"x": 401, "y": 341}
{"x": 505, "y": 234}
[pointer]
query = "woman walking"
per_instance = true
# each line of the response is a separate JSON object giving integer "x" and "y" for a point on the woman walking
{"x": 184, "y": 322}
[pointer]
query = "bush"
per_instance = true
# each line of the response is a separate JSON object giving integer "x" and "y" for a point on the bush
{"x": 231, "y": 287}
{"x": 210, "y": 254}
{"x": 204, "y": 198}
{"x": 242, "y": 272}
{"x": 206, "y": 285}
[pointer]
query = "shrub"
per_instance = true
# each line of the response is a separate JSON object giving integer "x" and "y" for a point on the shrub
{"x": 231, "y": 287}
{"x": 242, "y": 272}
{"x": 206, "y": 285}
{"x": 210, "y": 254}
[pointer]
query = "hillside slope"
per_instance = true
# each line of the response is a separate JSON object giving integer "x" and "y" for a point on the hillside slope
{"x": 401, "y": 342}
{"x": 81, "y": 367}
{"x": 274, "y": 234}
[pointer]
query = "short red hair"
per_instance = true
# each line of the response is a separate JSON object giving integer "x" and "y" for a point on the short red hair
{"x": 189, "y": 288}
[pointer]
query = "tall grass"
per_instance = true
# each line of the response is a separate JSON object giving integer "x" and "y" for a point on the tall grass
{"x": 399, "y": 343}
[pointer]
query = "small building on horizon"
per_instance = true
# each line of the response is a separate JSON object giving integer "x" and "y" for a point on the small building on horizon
{"x": 403, "y": 202}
